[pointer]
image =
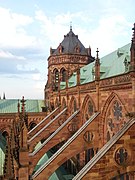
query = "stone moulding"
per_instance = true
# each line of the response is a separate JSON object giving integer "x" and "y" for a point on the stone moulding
{"x": 122, "y": 79}
{"x": 68, "y": 59}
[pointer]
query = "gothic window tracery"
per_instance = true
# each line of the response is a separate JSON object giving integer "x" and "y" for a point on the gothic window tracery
{"x": 115, "y": 119}
{"x": 117, "y": 111}
{"x": 72, "y": 127}
{"x": 89, "y": 110}
{"x": 88, "y": 136}
{"x": 121, "y": 156}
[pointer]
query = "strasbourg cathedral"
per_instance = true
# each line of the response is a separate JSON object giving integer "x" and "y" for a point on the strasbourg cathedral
{"x": 85, "y": 126}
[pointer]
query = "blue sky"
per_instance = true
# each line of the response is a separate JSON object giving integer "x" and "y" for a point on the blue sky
{"x": 30, "y": 27}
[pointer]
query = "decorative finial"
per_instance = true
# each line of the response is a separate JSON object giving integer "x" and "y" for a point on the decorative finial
{"x": 4, "y": 96}
{"x": 97, "y": 52}
{"x": 133, "y": 32}
{"x": 133, "y": 27}
{"x": 18, "y": 106}
{"x": 70, "y": 25}
{"x": 23, "y": 105}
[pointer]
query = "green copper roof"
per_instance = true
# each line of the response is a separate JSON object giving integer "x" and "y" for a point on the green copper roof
{"x": 113, "y": 63}
{"x": 58, "y": 174}
{"x": 86, "y": 73}
{"x": 10, "y": 105}
{"x": 110, "y": 65}
{"x": 72, "y": 80}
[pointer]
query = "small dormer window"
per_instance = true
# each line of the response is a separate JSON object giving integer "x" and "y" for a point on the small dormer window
{"x": 77, "y": 49}
{"x": 120, "y": 52}
{"x": 126, "y": 63}
{"x": 60, "y": 48}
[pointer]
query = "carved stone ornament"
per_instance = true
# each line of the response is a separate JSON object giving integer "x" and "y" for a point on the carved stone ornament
{"x": 121, "y": 156}
{"x": 72, "y": 127}
{"x": 88, "y": 136}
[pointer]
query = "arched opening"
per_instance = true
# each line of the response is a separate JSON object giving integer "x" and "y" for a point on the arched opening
{"x": 64, "y": 103}
{"x": 89, "y": 154}
{"x": 32, "y": 125}
{"x": 89, "y": 110}
{"x": 5, "y": 134}
{"x": 55, "y": 80}
{"x": 63, "y": 75}
{"x": 108, "y": 136}
{"x": 122, "y": 177}
{"x": 56, "y": 76}
{"x": 74, "y": 105}
{"x": 57, "y": 103}
{"x": 115, "y": 119}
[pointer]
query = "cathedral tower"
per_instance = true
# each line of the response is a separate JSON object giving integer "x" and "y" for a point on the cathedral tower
{"x": 63, "y": 61}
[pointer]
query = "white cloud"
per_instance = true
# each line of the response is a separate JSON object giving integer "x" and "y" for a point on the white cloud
{"x": 13, "y": 32}
{"x": 26, "y": 68}
{"x": 8, "y": 55}
{"x": 54, "y": 28}
{"x": 36, "y": 77}
{"x": 104, "y": 25}
{"x": 39, "y": 86}
{"x": 106, "y": 34}
{"x": 111, "y": 32}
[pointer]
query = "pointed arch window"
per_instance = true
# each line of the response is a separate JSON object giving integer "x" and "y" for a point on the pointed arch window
{"x": 75, "y": 106}
{"x": 60, "y": 48}
{"x": 57, "y": 102}
{"x": 55, "y": 79}
{"x": 64, "y": 103}
{"x": 108, "y": 136}
{"x": 89, "y": 154}
{"x": 115, "y": 118}
{"x": 63, "y": 75}
{"x": 90, "y": 108}
{"x": 32, "y": 125}
{"x": 5, "y": 134}
{"x": 56, "y": 76}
